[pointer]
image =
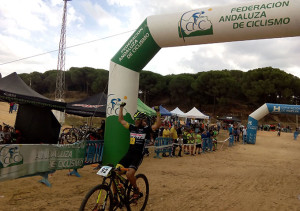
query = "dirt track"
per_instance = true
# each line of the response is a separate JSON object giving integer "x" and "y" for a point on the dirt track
{"x": 264, "y": 176}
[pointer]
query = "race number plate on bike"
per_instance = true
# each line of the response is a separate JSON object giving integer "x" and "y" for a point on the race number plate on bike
{"x": 104, "y": 171}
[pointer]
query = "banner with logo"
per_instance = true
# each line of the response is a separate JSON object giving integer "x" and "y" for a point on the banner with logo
{"x": 251, "y": 130}
{"x": 237, "y": 22}
{"x": 24, "y": 160}
{"x": 264, "y": 110}
{"x": 283, "y": 109}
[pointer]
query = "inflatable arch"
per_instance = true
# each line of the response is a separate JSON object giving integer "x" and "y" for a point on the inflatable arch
{"x": 263, "y": 111}
{"x": 247, "y": 21}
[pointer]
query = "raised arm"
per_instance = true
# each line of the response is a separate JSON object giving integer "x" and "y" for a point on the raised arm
{"x": 121, "y": 117}
{"x": 157, "y": 123}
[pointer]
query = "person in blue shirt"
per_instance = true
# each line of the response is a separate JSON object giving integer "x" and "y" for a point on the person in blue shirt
{"x": 204, "y": 141}
{"x": 231, "y": 139}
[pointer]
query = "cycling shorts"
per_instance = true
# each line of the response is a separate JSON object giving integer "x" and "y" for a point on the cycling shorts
{"x": 132, "y": 160}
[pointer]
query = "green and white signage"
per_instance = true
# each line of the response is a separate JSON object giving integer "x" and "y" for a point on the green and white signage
{"x": 23, "y": 160}
{"x": 245, "y": 21}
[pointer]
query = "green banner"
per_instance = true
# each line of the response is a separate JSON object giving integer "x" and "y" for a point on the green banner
{"x": 23, "y": 160}
{"x": 138, "y": 50}
{"x": 116, "y": 140}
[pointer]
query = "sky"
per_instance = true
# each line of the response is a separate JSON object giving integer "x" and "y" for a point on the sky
{"x": 96, "y": 30}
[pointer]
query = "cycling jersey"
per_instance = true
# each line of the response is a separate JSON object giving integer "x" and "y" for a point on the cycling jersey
{"x": 134, "y": 157}
{"x": 198, "y": 139}
{"x": 138, "y": 137}
{"x": 190, "y": 137}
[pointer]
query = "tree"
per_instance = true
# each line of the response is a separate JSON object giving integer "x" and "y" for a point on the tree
{"x": 180, "y": 87}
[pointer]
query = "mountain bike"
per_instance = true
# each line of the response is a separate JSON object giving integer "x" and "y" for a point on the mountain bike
{"x": 101, "y": 197}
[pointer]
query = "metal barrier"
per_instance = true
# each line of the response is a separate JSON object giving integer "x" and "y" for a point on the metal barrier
{"x": 94, "y": 154}
{"x": 163, "y": 145}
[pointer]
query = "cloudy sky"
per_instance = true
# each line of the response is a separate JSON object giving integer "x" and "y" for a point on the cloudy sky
{"x": 98, "y": 28}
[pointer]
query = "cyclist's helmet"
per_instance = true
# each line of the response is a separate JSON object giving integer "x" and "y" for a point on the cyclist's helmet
{"x": 139, "y": 115}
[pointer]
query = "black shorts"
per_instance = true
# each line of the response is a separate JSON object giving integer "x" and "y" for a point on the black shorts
{"x": 132, "y": 160}
{"x": 198, "y": 146}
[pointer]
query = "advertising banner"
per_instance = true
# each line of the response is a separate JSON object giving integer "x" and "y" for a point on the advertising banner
{"x": 251, "y": 130}
{"x": 283, "y": 109}
{"x": 24, "y": 160}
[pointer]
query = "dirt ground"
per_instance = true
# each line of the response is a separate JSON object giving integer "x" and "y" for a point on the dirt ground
{"x": 264, "y": 176}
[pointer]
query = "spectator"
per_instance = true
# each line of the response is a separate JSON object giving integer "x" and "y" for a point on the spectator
{"x": 214, "y": 137}
{"x": 7, "y": 135}
{"x": 15, "y": 107}
{"x": 11, "y": 107}
{"x": 219, "y": 126}
{"x": 1, "y": 135}
{"x": 166, "y": 132}
{"x": 191, "y": 142}
{"x": 198, "y": 143}
{"x": 235, "y": 133}
{"x": 204, "y": 141}
{"x": 184, "y": 137}
{"x": 209, "y": 139}
{"x": 296, "y": 133}
{"x": 244, "y": 135}
{"x": 102, "y": 128}
{"x": 160, "y": 130}
{"x": 238, "y": 134}
{"x": 147, "y": 138}
{"x": 279, "y": 130}
{"x": 180, "y": 143}
{"x": 231, "y": 139}
{"x": 174, "y": 136}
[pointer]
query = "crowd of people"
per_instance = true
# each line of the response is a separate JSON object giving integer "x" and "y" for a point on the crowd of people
{"x": 12, "y": 107}
{"x": 7, "y": 136}
{"x": 192, "y": 139}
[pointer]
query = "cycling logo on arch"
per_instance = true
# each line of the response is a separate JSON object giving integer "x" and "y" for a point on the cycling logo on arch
{"x": 194, "y": 23}
{"x": 10, "y": 156}
{"x": 113, "y": 105}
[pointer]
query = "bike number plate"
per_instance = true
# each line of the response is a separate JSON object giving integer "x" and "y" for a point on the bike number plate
{"x": 104, "y": 171}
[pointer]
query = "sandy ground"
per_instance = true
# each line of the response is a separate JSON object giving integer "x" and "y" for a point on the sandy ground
{"x": 7, "y": 118}
{"x": 264, "y": 176}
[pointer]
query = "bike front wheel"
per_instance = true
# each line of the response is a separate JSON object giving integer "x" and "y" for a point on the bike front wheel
{"x": 141, "y": 202}
{"x": 98, "y": 198}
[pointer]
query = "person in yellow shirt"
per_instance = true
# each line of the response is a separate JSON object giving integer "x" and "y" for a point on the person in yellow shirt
{"x": 166, "y": 131}
{"x": 173, "y": 132}
{"x": 174, "y": 135}
{"x": 191, "y": 142}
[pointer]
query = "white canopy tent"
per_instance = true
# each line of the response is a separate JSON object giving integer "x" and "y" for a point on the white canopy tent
{"x": 178, "y": 112}
{"x": 195, "y": 113}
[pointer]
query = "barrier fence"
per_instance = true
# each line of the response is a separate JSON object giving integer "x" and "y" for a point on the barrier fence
{"x": 94, "y": 154}
{"x": 163, "y": 145}
{"x": 18, "y": 161}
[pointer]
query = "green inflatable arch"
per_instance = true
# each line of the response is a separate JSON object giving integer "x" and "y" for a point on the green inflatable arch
{"x": 248, "y": 21}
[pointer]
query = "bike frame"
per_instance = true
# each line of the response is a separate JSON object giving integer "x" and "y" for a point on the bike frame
{"x": 115, "y": 179}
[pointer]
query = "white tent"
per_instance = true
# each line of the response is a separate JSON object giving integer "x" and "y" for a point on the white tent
{"x": 195, "y": 113}
{"x": 178, "y": 112}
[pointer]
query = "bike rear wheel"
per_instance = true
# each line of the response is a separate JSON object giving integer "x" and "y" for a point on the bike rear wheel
{"x": 98, "y": 198}
{"x": 141, "y": 202}
{"x": 71, "y": 137}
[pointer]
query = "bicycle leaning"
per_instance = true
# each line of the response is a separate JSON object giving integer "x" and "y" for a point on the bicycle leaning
{"x": 101, "y": 197}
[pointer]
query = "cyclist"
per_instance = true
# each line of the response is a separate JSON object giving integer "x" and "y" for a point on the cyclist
{"x": 138, "y": 134}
